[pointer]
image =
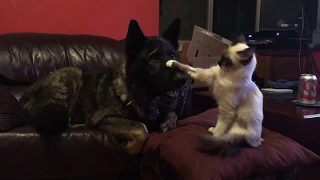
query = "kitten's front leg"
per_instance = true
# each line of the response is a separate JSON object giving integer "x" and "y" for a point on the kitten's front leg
{"x": 179, "y": 66}
{"x": 199, "y": 74}
{"x": 211, "y": 129}
{"x": 225, "y": 120}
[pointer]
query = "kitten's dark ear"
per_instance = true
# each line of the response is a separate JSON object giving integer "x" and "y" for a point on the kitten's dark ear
{"x": 247, "y": 53}
{"x": 171, "y": 34}
{"x": 239, "y": 39}
{"x": 135, "y": 37}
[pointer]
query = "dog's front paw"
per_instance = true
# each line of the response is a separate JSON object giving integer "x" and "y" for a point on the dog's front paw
{"x": 137, "y": 140}
{"x": 170, "y": 122}
{"x": 61, "y": 93}
{"x": 164, "y": 127}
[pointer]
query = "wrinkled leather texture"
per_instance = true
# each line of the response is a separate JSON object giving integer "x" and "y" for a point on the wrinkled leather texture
{"x": 16, "y": 91}
{"x": 27, "y": 57}
{"x": 11, "y": 113}
{"x": 77, "y": 153}
{"x": 24, "y": 58}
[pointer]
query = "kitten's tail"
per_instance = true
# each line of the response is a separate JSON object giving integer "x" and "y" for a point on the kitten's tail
{"x": 223, "y": 146}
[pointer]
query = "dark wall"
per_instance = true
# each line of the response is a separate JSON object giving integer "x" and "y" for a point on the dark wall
{"x": 311, "y": 11}
{"x": 233, "y": 16}
{"x": 191, "y": 12}
{"x": 238, "y": 16}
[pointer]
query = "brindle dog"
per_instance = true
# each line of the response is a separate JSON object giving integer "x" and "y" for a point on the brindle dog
{"x": 118, "y": 101}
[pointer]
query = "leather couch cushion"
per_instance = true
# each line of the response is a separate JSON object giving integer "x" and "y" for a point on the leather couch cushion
{"x": 179, "y": 150}
{"x": 17, "y": 91}
{"x": 77, "y": 153}
{"x": 26, "y": 57}
{"x": 11, "y": 113}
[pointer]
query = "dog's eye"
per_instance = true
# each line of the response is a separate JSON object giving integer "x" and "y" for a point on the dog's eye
{"x": 153, "y": 58}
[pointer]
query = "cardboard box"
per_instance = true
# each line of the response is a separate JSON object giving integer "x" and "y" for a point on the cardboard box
{"x": 206, "y": 44}
{"x": 183, "y": 53}
{"x": 205, "y": 50}
{"x": 204, "y": 62}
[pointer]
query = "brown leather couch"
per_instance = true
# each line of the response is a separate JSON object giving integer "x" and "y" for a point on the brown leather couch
{"x": 79, "y": 152}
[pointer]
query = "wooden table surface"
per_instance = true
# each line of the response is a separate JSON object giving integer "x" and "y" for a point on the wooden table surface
{"x": 293, "y": 121}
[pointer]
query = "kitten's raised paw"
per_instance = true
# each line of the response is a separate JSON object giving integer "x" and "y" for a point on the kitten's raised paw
{"x": 169, "y": 63}
{"x": 211, "y": 129}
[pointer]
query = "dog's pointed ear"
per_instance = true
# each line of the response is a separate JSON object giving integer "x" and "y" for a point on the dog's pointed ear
{"x": 135, "y": 37}
{"x": 239, "y": 39}
{"x": 171, "y": 34}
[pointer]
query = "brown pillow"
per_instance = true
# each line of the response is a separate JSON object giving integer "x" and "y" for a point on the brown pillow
{"x": 11, "y": 113}
{"x": 179, "y": 150}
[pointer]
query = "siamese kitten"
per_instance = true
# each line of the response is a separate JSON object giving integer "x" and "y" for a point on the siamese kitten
{"x": 240, "y": 101}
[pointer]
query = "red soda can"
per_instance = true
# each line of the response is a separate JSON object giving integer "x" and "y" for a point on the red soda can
{"x": 307, "y": 92}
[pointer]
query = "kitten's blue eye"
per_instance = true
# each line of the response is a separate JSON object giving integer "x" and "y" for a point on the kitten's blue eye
{"x": 173, "y": 56}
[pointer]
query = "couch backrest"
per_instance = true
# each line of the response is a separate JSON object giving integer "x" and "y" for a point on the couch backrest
{"x": 26, "y": 57}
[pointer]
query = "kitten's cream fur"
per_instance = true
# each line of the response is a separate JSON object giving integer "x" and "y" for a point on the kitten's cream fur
{"x": 239, "y": 99}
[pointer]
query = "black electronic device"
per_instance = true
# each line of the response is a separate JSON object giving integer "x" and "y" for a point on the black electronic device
{"x": 287, "y": 39}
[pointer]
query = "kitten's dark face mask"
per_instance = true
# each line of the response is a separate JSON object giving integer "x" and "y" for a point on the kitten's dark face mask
{"x": 225, "y": 62}
{"x": 236, "y": 56}
{"x": 244, "y": 58}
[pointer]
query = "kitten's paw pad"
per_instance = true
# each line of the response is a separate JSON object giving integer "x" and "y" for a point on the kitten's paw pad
{"x": 211, "y": 129}
{"x": 214, "y": 132}
{"x": 256, "y": 144}
{"x": 169, "y": 63}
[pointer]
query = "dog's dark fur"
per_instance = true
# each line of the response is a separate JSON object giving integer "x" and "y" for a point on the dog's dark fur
{"x": 116, "y": 100}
